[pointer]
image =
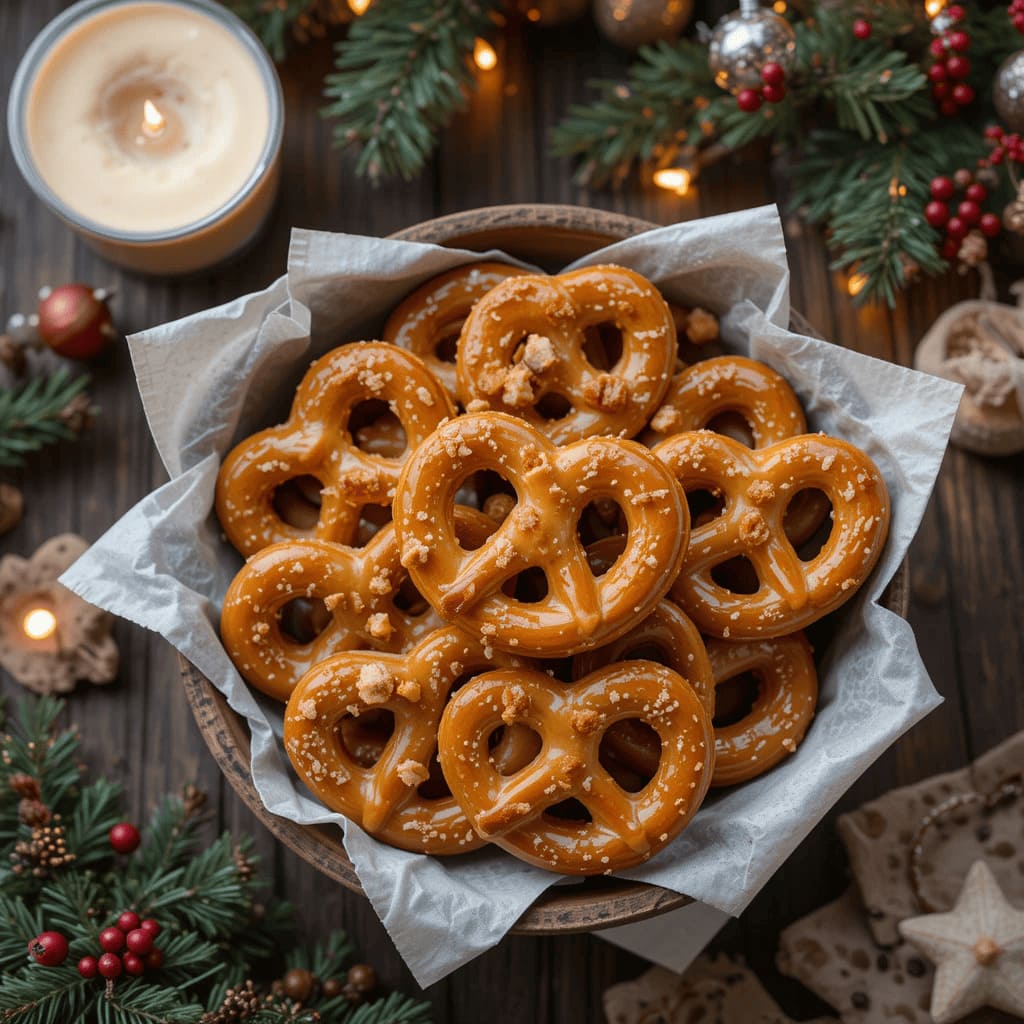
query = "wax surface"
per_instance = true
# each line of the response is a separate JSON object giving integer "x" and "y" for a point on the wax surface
{"x": 85, "y": 113}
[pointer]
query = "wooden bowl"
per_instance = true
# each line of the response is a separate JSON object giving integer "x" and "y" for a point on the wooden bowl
{"x": 549, "y": 236}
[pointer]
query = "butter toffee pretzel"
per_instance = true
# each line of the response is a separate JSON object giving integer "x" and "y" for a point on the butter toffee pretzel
{"x": 413, "y": 704}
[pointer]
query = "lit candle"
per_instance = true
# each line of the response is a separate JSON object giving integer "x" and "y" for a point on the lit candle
{"x": 39, "y": 624}
{"x": 153, "y": 127}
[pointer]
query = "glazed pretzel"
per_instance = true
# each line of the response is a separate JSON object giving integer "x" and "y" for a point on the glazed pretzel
{"x": 384, "y": 798}
{"x": 769, "y": 732}
{"x": 315, "y": 442}
{"x": 436, "y": 311}
{"x": 757, "y": 487}
{"x": 553, "y": 486}
{"x": 525, "y": 340}
{"x": 359, "y": 587}
{"x": 625, "y": 828}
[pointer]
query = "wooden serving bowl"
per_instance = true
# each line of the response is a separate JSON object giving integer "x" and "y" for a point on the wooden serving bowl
{"x": 550, "y": 237}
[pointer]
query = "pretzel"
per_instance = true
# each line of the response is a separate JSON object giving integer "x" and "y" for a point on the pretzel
{"x": 514, "y": 811}
{"x": 757, "y": 741}
{"x": 433, "y": 315}
{"x": 553, "y": 486}
{"x": 757, "y": 487}
{"x": 385, "y": 798}
{"x": 523, "y": 346}
{"x": 359, "y": 586}
{"x": 315, "y": 442}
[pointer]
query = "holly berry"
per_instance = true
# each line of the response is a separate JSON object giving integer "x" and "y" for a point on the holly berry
{"x": 112, "y": 940}
{"x": 88, "y": 967}
{"x": 936, "y": 214}
{"x": 942, "y": 188}
{"x": 132, "y": 964}
{"x": 748, "y": 100}
{"x": 963, "y": 94}
{"x": 937, "y": 73}
{"x": 109, "y": 965}
{"x": 1018, "y": 22}
{"x": 155, "y": 959}
{"x": 949, "y": 248}
{"x": 128, "y": 921}
{"x": 990, "y": 225}
{"x": 956, "y": 228}
{"x": 862, "y": 29}
{"x": 968, "y": 211}
{"x": 773, "y": 73}
{"x": 140, "y": 941}
{"x": 957, "y": 66}
{"x": 125, "y": 837}
{"x": 955, "y": 13}
{"x": 942, "y": 90}
{"x": 949, "y": 108}
{"x": 976, "y": 192}
{"x": 994, "y": 132}
{"x": 959, "y": 41}
{"x": 151, "y": 926}
{"x": 774, "y": 93}
{"x": 74, "y": 321}
{"x": 49, "y": 949}
{"x": 937, "y": 48}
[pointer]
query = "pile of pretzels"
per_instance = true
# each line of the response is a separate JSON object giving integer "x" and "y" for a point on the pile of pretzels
{"x": 500, "y": 562}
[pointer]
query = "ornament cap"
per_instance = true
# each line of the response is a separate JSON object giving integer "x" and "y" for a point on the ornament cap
{"x": 986, "y": 950}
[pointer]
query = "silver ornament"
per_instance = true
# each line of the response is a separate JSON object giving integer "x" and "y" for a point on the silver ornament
{"x": 633, "y": 23}
{"x": 744, "y": 42}
{"x": 1008, "y": 91}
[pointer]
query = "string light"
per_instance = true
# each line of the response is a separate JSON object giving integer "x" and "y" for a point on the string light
{"x": 855, "y": 285}
{"x": 359, "y": 7}
{"x": 934, "y": 7}
{"x": 674, "y": 179}
{"x": 779, "y": 7}
{"x": 39, "y": 624}
{"x": 484, "y": 56}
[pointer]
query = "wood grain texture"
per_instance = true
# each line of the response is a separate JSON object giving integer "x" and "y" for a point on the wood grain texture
{"x": 968, "y": 562}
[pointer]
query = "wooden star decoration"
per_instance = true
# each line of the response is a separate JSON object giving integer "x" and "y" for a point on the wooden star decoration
{"x": 977, "y": 949}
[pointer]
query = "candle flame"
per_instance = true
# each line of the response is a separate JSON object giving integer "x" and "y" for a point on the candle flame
{"x": 153, "y": 121}
{"x": 39, "y": 624}
{"x": 359, "y": 7}
{"x": 675, "y": 179}
{"x": 484, "y": 56}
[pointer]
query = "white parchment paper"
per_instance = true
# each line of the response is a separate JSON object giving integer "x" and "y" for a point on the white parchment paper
{"x": 211, "y": 379}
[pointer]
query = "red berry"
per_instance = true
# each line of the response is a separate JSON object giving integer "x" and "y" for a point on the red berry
{"x": 773, "y": 73}
{"x": 955, "y": 13}
{"x": 125, "y": 837}
{"x": 968, "y": 211}
{"x": 774, "y": 93}
{"x": 128, "y": 921}
{"x": 132, "y": 964}
{"x": 87, "y": 967}
{"x": 949, "y": 108}
{"x": 996, "y": 156}
{"x": 862, "y": 28}
{"x": 155, "y": 959}
{"x": 112, "y": 940}
{"x": 989, "y": 224}
{"x": 962, "y": 177}
{"x": 748, "y": 100}
{"x": 49, "y": 949}
{"x": 937, "y": 73}
{"x": 959, "y": 41}
{"x": 139, "y": 941}
{"x": 956, "y": 228}
{"x": 958, "y": 67}
{"x": 1018, "y": 22}
{"x": 942, "y": 90}
{"x": 941, "y": 188}
{"x": 109, "y": 965}
{"x": 151, "y": 926}
{"x": 937, "y": 47}
{"x": 994, "y": 132}
{"x": 963, "y": 94}
{"x": 949, "y": 248}
{"x": 936, "y": 214}
{"x": 977, "y": 192}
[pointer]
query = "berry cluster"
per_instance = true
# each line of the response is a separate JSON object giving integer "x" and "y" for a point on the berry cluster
{"x": 951, "y": 66}
{"x": 1016, "y": 13}
{"x": 958, "y": 216}
{"x": 773, "y": 89}
{"x": 127, "y": 948}
{"x": 1005, "y": 145}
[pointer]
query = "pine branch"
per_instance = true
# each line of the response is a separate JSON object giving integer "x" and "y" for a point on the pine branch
{"x": 32, "y": 416}
{"x": 139, "y": 1002}
{"x": 44, "y": 995}
{"x": 399, "y": 77}
{"x": 273, "y": 21}
{"x": 95, "y": 814}
{"x": 395, "y": 1009}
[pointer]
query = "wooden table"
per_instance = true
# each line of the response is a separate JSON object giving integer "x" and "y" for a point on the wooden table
{"x": 967, "y": 563}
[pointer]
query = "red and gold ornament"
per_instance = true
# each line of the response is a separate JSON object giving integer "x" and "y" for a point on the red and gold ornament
{"x": 75, "y": 320}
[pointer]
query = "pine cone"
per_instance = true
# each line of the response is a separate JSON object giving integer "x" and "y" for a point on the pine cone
{"x": 243, "y": 865}
{"x": 24, "y": 785}
{"x": 194, "y": 800}
{"x": 12, "y": 355}
{"x": 44, "y": 852}
{"x": 33, "y": 812}
{"x": 77, "y": 415}
{"x": 239, "y": 1004}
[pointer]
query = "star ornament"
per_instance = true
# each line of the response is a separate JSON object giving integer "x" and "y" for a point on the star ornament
{"x": 977, "y": 949}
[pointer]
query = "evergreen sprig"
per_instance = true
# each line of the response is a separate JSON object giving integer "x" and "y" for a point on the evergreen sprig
{"x": 219, "y": 929}
{"x": 36, "y": 414}
{"x": 401, "y": 74}
{"x": 274, "y": 21}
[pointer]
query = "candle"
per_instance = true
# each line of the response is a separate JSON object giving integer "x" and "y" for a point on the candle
{"x": 153, "y": 127}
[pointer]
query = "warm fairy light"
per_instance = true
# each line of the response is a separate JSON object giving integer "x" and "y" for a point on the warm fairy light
{"x": 533, "y": 14}
{"x": 359, "y": 7}
{"x": 483, "y": 55}
{"x": 855, "y": 285}
{"x": 153, "y": 122}
{"x": 933, "y": 7}
{"x": 39, "y": 624}
{"x": 675, "y": 179}
{"x": 779, "y": 7}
